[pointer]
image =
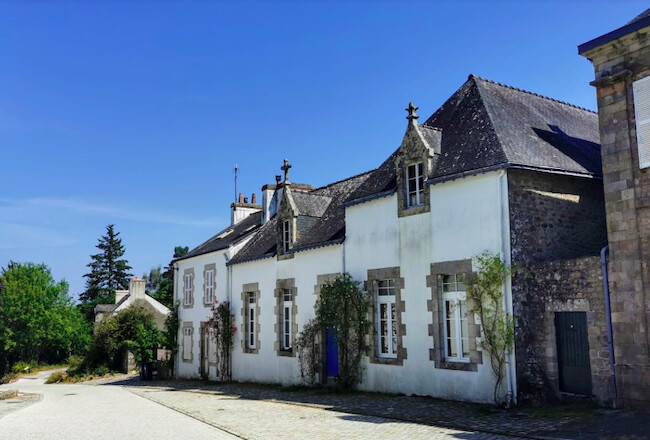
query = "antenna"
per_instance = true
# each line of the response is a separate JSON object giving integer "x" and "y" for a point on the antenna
{"x": 236, "y": 169}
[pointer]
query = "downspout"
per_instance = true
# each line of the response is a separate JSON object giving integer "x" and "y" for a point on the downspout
{"x": 511, "y": 396}
{"x": 608, "y": 315}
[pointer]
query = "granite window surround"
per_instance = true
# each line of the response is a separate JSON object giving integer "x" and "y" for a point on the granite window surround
{"x": 250, "y": 288}
{"x": 187, "y": 329}
{"x": 289, "y": 285}
{"x": 207, "y": 301}
{"x": 402, "y": 163}
{"x": 188, "y": 297}
{"x": 436, "y": 306}
{"x": 372, "y": 286}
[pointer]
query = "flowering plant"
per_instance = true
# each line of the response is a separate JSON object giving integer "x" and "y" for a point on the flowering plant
{"x": 223, "y": 330}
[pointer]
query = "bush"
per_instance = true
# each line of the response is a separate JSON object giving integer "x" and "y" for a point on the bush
{"x": 23, "y": 367}
{"x": 57, "y": 376}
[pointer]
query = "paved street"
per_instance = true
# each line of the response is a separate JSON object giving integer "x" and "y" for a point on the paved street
{"x": 71, "y": 412}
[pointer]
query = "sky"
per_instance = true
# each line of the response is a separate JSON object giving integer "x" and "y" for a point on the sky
{"x": 135, "y": 113}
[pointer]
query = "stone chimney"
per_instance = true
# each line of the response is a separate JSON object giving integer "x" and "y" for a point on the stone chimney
{"x": 136, "y": 288}
{"x": 119, "y": 294}
{"x": 242, "y": 209}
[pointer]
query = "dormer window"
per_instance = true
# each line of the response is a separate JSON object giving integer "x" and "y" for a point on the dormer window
{"x": 415, "y": 185}
{"x": 286, "y": 235}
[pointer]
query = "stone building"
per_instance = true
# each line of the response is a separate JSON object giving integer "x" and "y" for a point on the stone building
{"x": 621, "y": 60}
{"x": 495, "y": 169}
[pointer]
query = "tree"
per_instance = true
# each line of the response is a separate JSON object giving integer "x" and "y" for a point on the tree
{"x": 38, "y": 321}
{"x": 108, "y": 273}
{"x": 160, "y": 285}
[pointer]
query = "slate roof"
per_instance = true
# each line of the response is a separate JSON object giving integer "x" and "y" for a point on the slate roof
{"x": 328, "y": 228}
{"x": 487, "y": 124}
{"x": 222, "y": 241}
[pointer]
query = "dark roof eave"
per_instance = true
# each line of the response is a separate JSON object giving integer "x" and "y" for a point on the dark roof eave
{"x": 503, "y": 166}
{"x": 613, "y": 35}
{"x": 318, "y": 245}
{"x": 233, "y": 243}
{"x": 248, "y": 260}
{"x": 369, "y": 198}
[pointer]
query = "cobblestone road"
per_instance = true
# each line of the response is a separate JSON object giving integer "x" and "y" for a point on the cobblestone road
{"x": 266, "y": 420}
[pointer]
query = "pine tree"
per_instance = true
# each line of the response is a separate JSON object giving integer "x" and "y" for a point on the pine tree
{"x": 108, "y": 273}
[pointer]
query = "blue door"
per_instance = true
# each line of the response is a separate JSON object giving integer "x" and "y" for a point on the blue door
{"x": 332, "y": 352}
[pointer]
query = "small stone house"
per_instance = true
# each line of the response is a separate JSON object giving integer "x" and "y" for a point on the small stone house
{"x": 621, "y": 60}
{"x": 135, "y": 296}
{"x": 495, "y": 169}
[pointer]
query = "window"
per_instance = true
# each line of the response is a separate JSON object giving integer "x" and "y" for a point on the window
{"x": 415, "y": 185}
{"x": 287, "y": 303}
{"x": 456, "y": 331}
{"x": 641, "y": 89}
{"x": 208, "y": 294}
{"x": 250, "y": 320}
{"x": 386, "y": 319}
{"x": 187, "y": 343}
{"x": 187, "y": 289}
{"x": 286, "y": 235}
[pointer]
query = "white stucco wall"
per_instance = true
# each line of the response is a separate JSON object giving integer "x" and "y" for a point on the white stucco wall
{"x": 267, "y": 365}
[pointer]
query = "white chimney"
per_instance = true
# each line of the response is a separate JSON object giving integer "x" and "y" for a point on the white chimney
{"x": 242, "y": 209}
{"x": 119, "y": 294}
{"x": 136, "y": 288}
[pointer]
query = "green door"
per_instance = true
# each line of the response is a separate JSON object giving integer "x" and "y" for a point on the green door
{"x": 573, "y": 352}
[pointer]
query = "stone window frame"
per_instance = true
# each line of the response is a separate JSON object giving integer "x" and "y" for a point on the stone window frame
{"x": 280, "y": 286}
{"x": 435, "y": 305}
{"x": 372, "y": 285}
{"x": 402, "y": 163}
{"x": 246, "y": 289}
{"x": 188, "y": 325}
{"x": 190, "y": 304}
{"x": 213, "y": 268}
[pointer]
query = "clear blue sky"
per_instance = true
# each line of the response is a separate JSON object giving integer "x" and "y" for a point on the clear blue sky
{"x": 135, "y": 113}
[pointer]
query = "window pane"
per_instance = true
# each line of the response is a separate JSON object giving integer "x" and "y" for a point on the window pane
{"x": 383, "y": 327}
{"x": 393, "y": 325}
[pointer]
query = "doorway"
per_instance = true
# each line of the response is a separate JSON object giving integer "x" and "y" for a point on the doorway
{"x": 573, "y": 352}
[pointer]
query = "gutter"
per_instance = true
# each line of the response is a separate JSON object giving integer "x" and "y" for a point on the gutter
{"x": 608, "y": 315}
{"x": 613, "y": 35}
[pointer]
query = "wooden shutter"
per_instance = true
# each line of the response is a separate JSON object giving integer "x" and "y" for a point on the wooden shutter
{"x": 641, "y": 90}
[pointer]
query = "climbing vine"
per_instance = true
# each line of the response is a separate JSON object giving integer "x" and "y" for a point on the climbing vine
{"x": 223, "y": 331}
{"x": 485, "y": 290}
{"x": 343, "y": 305}
{"x": 308, "y": 353}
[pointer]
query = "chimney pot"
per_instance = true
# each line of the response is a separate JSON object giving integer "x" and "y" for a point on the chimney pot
{"x": 245, "y": 199}
{"x": 241, "y": 198}
{"x": 254, "y": 201}
{"x": 278, "y": 179}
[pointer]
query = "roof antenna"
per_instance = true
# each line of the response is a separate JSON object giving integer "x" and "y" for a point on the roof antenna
{"x": 236, "y": 169}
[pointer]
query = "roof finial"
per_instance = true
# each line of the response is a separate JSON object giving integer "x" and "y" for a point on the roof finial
{"x": 285, "y": 168}
{"x": 412, "y": 117}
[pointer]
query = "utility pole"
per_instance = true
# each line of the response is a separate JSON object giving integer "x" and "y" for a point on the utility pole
{"x": 236, "y": 169}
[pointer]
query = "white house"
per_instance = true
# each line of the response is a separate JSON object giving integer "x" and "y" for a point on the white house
{"x": 408, "y": 230}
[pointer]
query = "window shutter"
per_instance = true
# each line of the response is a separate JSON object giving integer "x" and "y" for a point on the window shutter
{"x": 641, "y": 89}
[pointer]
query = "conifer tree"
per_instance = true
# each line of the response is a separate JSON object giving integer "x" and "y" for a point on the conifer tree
{"x": 108, "y": 273}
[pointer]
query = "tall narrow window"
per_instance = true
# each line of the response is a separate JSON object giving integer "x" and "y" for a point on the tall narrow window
{"x": 456, "y": 332}
{"x": 187, "y": 343}
{"x": 641, "y": 91}
{"x": 415, "y": 185}
{"x": 286, "y": 235}
{"x": 209, "y": 287}
{"x": 386, "y": 319}
{"x": 187, "y": 289}
{"x": 287, "y": 303}
{"x": 250, "y": 320}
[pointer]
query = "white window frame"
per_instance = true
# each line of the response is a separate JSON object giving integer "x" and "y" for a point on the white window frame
{"x": 187, "y": 343}
{"x": 641, "y": 92}
{"x": 208, "y": 294}
{"x": 286, "y": 319}
{"x": 188, "y": 281}
{"x": 286, "y": 235}
{"x": 251, "y": 318}
{"x": 454, "y": 300}
{"x": 415, "y": 175}
{"x": 386, "y": 300}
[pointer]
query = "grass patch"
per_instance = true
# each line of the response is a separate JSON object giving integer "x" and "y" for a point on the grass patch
{"x": 8, "y": 377}
{"x": 11, "y": 394}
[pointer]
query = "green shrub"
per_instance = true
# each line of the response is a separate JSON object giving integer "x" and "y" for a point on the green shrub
{"x": 75, "y": 361}
{"x": 101, "y": 370}
{"x": 56, "y": 377}
{"x": 22, "y": 367}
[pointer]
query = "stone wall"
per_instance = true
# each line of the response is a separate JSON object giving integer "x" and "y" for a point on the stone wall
{"x": 618, "y": 64}
{"x": 557, "y": 230}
